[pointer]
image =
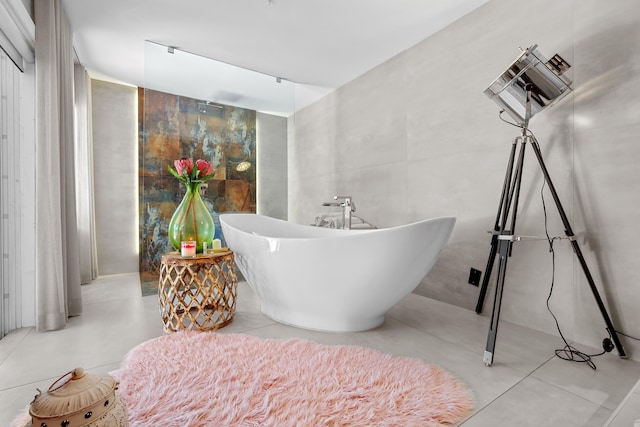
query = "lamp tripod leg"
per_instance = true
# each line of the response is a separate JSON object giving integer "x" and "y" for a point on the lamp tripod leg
{"x": 498, "y": 227}
{"x": 487, "y": 271}
{"x": 576, "y": 249}
{"x": 504, "y": 248}
{"x": 504, "y": 241}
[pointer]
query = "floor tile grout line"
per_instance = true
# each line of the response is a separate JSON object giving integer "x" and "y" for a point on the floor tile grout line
{"x": 568, "y": 391}
{"x": 530, "y": 375}
{"x": 455, "y": 343}
{"x": 421, "y": 331}
{"x": 494, "y": 400}
{"x": 20, "y": 341}
{"x": 623, "y": 404}
{"x": 56, "y": 377}
{"x": 13, "y": 387}
{"x": 85, "y": 368}
{"x": 509, "y": 389}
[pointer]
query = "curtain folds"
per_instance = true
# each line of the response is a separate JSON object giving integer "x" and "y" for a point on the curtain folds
{"x": 57, "y": 273}
{"x": 84, "y": 176}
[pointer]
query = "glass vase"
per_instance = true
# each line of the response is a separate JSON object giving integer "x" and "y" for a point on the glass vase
{"x": 191, "y": 221}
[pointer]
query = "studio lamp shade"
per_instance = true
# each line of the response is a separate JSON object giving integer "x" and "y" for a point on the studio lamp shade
{"x": 530, "y": 73}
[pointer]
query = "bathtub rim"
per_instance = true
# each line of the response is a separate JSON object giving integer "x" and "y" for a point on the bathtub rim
{"x": 330, "y": 232}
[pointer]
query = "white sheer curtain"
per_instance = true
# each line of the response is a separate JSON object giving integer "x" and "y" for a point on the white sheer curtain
{"x": 10, "y": 197}
{"x": 58, "y": 293}
{"x": 84, "y": 176}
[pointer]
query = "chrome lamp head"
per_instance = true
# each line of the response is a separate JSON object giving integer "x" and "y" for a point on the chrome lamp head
{"x": 530, "y": 84}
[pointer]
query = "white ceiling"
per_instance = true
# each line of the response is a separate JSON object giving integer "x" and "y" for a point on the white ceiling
{"x": 317, "y": 44}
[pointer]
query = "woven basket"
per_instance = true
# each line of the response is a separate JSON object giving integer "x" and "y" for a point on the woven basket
{"x": 78, "y": 399}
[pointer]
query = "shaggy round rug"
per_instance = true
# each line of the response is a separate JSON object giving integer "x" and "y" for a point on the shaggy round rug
{"x": 213, "y": 379}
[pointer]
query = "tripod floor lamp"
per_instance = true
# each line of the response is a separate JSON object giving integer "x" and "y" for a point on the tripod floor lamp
{"x": 529, "y": 85}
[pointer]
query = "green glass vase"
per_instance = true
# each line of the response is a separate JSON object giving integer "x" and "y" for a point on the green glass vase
{"x": 191, "y": 221}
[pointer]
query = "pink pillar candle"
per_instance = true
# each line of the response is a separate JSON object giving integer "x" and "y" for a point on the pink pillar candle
{"x": 188, "y": 248}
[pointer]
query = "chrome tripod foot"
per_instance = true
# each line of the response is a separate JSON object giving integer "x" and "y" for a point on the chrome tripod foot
{"x": 488, "y": 358}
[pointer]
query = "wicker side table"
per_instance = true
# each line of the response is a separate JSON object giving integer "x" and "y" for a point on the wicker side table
{"x": 197, "y": 293}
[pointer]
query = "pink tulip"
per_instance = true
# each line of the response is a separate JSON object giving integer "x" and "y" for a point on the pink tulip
{"x": 204, "y": 167}
{"x": 182, "y": 165}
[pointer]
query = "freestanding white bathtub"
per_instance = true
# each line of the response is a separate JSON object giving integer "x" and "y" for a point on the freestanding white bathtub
{"x": 327, "y": 279}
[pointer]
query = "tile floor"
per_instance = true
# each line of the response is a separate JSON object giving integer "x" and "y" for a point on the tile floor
{"x": 526, "y": 386}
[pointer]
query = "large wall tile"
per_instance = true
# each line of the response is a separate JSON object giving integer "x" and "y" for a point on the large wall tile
{"x": 271, "y": 167}
{"x": 116, "y": 176}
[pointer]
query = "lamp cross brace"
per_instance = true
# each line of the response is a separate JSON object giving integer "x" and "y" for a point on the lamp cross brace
{"x": 516, "y": 238}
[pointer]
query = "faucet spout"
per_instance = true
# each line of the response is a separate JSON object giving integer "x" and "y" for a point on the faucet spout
{"x": 348, "y": 207}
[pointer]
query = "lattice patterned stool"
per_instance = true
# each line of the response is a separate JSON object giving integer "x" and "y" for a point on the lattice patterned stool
{"x": 197, "y": 293}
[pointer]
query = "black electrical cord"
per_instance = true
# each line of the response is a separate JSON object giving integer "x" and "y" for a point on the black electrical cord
{"x": 568, "y": 352}
{"x": 507, "y": 121}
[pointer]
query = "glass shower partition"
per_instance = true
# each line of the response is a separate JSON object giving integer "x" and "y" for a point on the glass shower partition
{"x": 200, "y": 108}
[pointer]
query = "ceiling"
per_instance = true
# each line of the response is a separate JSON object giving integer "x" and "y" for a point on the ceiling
{"x": 318, "y": 45}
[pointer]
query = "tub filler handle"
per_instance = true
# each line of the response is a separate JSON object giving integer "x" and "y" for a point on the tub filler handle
{"x": 348, "y": 207}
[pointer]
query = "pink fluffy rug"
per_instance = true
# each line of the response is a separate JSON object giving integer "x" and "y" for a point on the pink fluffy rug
{"x": 213, "y": 379}
{"x": 197, "y": 379}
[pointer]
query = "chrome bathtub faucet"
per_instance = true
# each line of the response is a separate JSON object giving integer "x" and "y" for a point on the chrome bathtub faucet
{"x": 347, "y": 206}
